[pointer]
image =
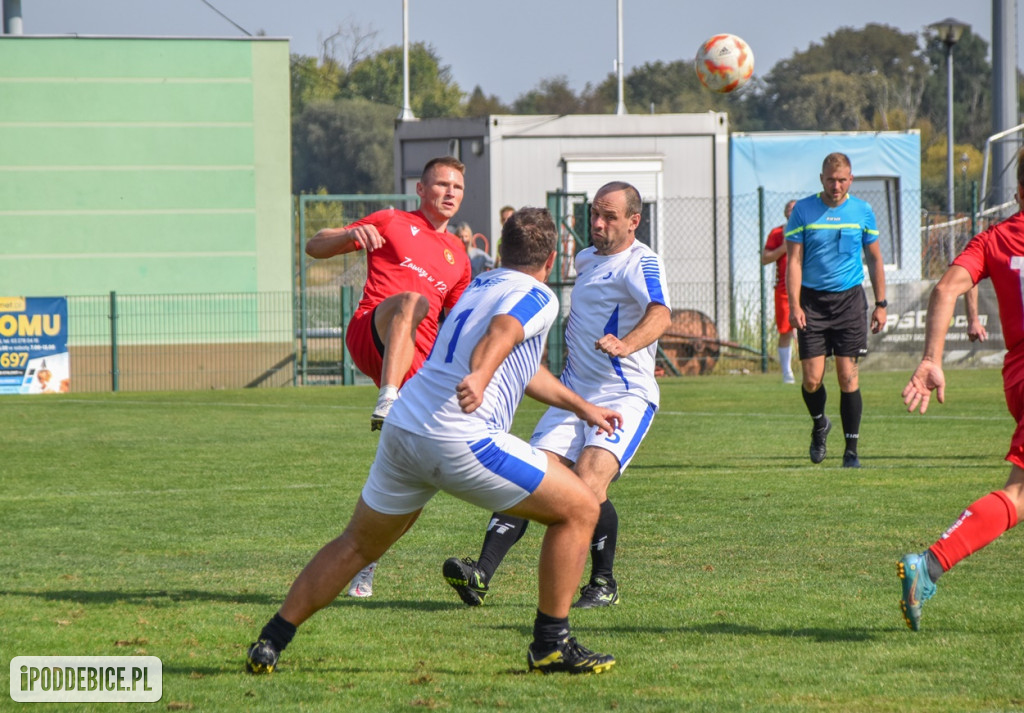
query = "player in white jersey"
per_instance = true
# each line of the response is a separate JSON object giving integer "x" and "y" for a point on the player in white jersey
{"x": 449, "y": 431}
{"x": 620, "y": 290}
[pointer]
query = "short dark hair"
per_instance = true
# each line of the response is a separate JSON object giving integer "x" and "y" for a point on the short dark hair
{"x": 835, "y": 160}
{"x": 1020, "y": 167}
{"x": 449, "y": 161}
{"x": 634, "y": 204}
{"x": 528, "y": 238}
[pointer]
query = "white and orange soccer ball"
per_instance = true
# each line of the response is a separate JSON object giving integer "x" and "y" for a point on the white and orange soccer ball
{"x": 724, "y": 63}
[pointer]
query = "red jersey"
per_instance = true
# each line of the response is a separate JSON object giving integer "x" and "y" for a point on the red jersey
{"x": 414, "y": 258}
{"x": 998, "y": 253}
{"x": 775, "y": 239}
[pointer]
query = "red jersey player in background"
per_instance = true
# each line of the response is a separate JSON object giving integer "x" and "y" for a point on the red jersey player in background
{"x": 775, "y": 251}
{"x": 996, "y": 254}
{"x": 415, "y": 269}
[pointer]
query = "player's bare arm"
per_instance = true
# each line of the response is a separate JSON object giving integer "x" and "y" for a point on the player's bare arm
{"x": 928, "y": 376}
{"x": 773, "y": 255}
{"x": 547, "y": 389}
{"x": 794, "y": 281}
{"x": 648, "y": 330}
{"x": 504, "y": 332}
{"x": 976, "y": 331}
{"x": 338, "y": 241}
{"x": 876, "y": 272}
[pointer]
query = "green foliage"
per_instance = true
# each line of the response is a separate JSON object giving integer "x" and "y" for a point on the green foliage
{"x": 313, "y": 81}
{"x": 479, "y": 105}
{"x": 972, "y": 89}
{"x": 378, "y": 79}
{"x": 172, "y": 524}
{"x": 343, "y": 146}
{"x": 552, "y": 96}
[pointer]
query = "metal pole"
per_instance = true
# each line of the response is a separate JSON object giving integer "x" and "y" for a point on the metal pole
{"x": 114, "y": 369}
{"x": 764, "y": 297}
{"x": 406, "y": 114}
{"x": 620, "y": 109}
{"x": 12, "y": 18}
{"x": 949, "y": 144}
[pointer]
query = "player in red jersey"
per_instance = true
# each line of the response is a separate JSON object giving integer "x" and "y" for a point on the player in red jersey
{"x": 414, "y": 269}
{"x": 775, "y": 251}
{"x": 996, "y": 253}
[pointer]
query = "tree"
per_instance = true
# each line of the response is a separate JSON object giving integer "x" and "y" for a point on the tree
{"x": 379, "y": 79}
{"x": 883, "y": 69}
{"x": 480, "y": 105}
{"x": 312, "y": 81}
{"x": 343, "y": 146}
{"x": 552, "y": 96}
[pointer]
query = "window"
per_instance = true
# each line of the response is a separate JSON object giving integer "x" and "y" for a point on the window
{"x": 883, "y": 193}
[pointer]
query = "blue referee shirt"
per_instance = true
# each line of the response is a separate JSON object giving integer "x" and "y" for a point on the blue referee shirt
{"x": 833, "y": 239}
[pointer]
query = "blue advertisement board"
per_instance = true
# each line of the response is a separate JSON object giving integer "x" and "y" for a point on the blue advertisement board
{"x": 34, "y": 345}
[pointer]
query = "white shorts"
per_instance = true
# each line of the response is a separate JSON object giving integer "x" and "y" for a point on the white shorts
{"x": 565, "y": 434}
{"x": 495, "y": 473}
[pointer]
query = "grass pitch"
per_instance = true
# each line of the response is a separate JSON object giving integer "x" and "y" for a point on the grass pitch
{"x": 171, "y": 525}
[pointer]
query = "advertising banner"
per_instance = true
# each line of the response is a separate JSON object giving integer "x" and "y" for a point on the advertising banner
{"x": 34, "y": 345}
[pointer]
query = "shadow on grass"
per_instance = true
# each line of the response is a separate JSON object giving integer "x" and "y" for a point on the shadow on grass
{"x": 162, "y": 597}
{"x": 819, "y": 634}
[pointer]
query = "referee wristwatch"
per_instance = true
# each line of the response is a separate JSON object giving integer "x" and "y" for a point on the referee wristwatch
{"x": 882, "y": 303}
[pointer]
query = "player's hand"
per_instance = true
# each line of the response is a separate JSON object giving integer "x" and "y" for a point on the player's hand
{"x": 603, "y": 419}
{"x": 797, "y": 317}
{"x": 470, "y": 392}
{"x": 976, "y": 331}
{"x": 877, "y": 320}
{"x": 612, "y": 346}
{"x": 927, "y": 377}
{"x": 367, "y": 237}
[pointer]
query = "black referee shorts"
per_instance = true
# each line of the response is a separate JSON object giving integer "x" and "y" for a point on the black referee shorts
{"x": 837, "y": 323}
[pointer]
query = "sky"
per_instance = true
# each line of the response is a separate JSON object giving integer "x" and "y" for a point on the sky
{"x": 508, "y": 48}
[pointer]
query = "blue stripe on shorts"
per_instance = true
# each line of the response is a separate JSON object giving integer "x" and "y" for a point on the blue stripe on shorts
{"x": 638, "y": 434}
{"x": 504, "y": 464}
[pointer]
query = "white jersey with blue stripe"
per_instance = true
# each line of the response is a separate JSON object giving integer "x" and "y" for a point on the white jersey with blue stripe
{"x": 428, "y": 405}
{"x": 611, "y": 296}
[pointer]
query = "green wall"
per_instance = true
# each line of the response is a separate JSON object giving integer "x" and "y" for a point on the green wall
{"x": 144, "y": 166}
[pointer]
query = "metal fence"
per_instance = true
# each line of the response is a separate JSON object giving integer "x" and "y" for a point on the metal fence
{"x": 723, "y": 318}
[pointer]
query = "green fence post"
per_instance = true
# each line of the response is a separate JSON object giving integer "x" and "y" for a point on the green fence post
{"x": 303, "y": 307}
{"x": 114, "y": 370}
{"x": 348, "y": 374}
{"x": 764, "y": 297}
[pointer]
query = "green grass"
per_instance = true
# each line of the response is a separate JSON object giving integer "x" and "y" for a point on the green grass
{"x": 171, "y": 525}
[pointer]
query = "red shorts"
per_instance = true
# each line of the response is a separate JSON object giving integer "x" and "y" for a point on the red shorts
{"x": 782, "y": 310}
{"x": 1015, "y": 402}
{"x": 367, "y": 350}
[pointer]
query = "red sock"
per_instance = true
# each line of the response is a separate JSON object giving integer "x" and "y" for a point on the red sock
{"x": 982, "y": 522}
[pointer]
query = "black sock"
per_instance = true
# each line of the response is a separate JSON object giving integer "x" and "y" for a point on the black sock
{"x": 815, "y": 404}
{"x": 502, "y": 533}
{"x": 851, "y": 405}
{"x": 932, "y": 564}
{"x": 548, "y": 630}
{"x": 602, "y": 545}
{"x": 278, "y": 632}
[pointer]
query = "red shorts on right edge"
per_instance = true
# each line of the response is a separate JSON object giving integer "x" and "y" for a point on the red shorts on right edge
{"x": 1015, "y": 402}
{"x": 782, "y": 311}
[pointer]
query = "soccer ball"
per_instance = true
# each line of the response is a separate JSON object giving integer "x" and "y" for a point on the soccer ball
{"x": 724, "y": 63}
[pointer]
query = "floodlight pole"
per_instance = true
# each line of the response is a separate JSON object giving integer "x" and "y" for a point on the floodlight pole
{"x": 620, "y": 109}
{"x": 949, "y": 32}
{"x": 406, "y": 114}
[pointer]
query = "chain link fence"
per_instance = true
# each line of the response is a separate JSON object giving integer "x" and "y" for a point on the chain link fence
{"x": 722, "y": 298}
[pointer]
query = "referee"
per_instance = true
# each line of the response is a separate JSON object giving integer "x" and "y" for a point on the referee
{"x": 825, "y": 236}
